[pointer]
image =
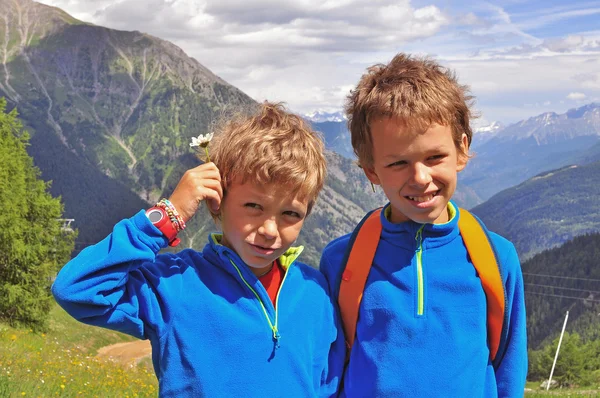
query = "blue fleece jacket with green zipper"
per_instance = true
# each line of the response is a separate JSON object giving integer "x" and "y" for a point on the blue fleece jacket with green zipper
{"x": 422, "y": 328}
{"x": 213, "y": 329}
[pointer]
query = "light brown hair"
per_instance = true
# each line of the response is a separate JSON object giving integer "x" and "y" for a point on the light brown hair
{"x": 418, "y": 91}
{"x": 270, "y": 145}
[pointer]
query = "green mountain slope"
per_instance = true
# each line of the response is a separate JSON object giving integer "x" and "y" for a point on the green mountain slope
{"x": 546, "y": 210}
{"x": 94, "y": 200}
{"x": 111, "y": 114}
{"x": 125, "y": 102}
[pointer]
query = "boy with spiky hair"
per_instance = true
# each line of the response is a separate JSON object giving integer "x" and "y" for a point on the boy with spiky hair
{"x": 422, "y": 321}
{"x": 242, "y": 317}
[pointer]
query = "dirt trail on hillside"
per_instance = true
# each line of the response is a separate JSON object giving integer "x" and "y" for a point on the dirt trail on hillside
{"x": 127, "y": 353}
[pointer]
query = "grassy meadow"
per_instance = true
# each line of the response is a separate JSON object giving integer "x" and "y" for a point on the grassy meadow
{"x": 535, "y": 391}
{"x": 62, "y": 362}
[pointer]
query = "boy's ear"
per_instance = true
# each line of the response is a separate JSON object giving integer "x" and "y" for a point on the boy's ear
{"x": 371, "y": 175}
{"x": 463, "y": 156}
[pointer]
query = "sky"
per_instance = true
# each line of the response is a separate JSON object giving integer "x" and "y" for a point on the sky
{"x": 520, "y": 58}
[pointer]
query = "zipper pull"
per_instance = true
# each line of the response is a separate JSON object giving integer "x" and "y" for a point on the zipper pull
{"x": 419, "y": 237}
{"x": 276, "y": 337}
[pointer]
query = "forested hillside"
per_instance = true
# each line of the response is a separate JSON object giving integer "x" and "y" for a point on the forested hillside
{"x": 546, "y": 210}
{"x": 563, "y": 279}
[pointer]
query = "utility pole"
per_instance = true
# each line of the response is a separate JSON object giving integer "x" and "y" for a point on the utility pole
{"x": 65, "y": 229}
{"x": 66, "y": 224}
{"x": 557, "y": 349}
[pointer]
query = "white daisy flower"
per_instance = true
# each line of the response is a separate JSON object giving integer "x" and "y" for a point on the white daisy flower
{"x": 202, "y": 140}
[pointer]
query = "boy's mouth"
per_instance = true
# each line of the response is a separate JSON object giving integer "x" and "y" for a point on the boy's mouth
{"x": 263, "y": 249}
{"x": 423, "y": 198}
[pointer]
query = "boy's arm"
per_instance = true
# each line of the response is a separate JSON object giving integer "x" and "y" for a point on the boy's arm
{"x": 115, "y": 282}
{"x": 511, "y": 370}
{"x": 106, "y": 284}
{"x": 337, "y": 356}
{"x": 337, "y": 353}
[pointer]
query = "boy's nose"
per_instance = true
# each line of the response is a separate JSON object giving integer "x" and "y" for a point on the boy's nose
{"x": 421, "y": 175}
{"x": 268, "y": 229}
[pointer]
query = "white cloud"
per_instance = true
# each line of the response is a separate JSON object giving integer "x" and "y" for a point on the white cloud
{"x": 309, "y": 53}
{"x": 572, "y": 44}
{"x": 553, "y": 16}
{"x": 348, "y": 26}
{"x": 576, "y": 96}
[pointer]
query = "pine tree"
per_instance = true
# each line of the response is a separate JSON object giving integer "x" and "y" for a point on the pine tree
{"x": 571, "y": 369}
{"x": 32, "y": 243}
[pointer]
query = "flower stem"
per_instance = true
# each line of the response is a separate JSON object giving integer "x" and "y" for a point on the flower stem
{"x": 207, "y": 157}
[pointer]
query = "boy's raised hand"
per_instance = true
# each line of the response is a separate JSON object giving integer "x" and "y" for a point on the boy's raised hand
{"x": 198, "y": 184}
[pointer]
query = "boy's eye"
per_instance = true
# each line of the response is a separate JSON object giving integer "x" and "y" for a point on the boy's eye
{"x": 252, "y": 205}
{"x": 398, "y": 163}
{"x": 292, "y": 214}
{"x": 436, "y": 157}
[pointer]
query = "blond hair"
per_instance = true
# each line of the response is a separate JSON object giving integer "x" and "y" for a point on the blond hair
{"x": 418, "y": 91}
{"x": 270, "y": 145}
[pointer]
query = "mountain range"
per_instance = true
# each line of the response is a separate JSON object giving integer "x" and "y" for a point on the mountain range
{"x": 504, "y": 156}
{"x": 529, "y": 147}
{"x": 111, "y": 114}
{"x": 321, "y": 116}
{"x": 125, "y": 102}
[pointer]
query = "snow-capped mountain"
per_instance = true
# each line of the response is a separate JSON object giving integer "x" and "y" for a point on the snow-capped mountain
{"x": 552, "y": 127}
{"x": 483, "y": 134}
{"x": 492, "y": 128}
{"x": 524, "y": 149}
{"x": 322, "y": 116}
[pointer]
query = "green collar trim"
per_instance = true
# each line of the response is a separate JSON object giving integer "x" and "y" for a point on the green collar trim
{"x": 451, "y": 213}
{"x": 290, "y": 255}
{"x": 286, "y": 259}
{"x": 451, "y": 210}
{"x": 388, "y": 213}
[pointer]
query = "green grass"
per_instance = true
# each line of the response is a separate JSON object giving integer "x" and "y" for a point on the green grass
{"x": 537, "y": 391}
{"x": 62, "y": 362}
{"x": 562, "y": 393}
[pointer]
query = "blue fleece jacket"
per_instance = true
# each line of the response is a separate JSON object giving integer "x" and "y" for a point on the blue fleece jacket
{"x": 422, "y": 321}
{"x": 213, "y": 328}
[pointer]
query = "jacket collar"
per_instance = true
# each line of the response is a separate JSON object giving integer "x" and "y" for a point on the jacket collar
{"x": 404, "y": 234}
{"x": 216, "y": 253}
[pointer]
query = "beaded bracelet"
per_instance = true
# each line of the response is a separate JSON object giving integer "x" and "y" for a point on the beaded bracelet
{"x": 171, "y": 211}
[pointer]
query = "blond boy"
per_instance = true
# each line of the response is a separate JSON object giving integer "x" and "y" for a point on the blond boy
{"x": 242, "y": 317}
{"x": 421, "y": 329}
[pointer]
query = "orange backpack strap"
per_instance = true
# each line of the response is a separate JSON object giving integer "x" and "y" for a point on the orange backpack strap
{"x": 354, "y": 277}
{"x": 484, "y": 260}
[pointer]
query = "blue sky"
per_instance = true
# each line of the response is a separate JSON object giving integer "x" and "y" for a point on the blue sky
{"x": 521, "y": 58}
